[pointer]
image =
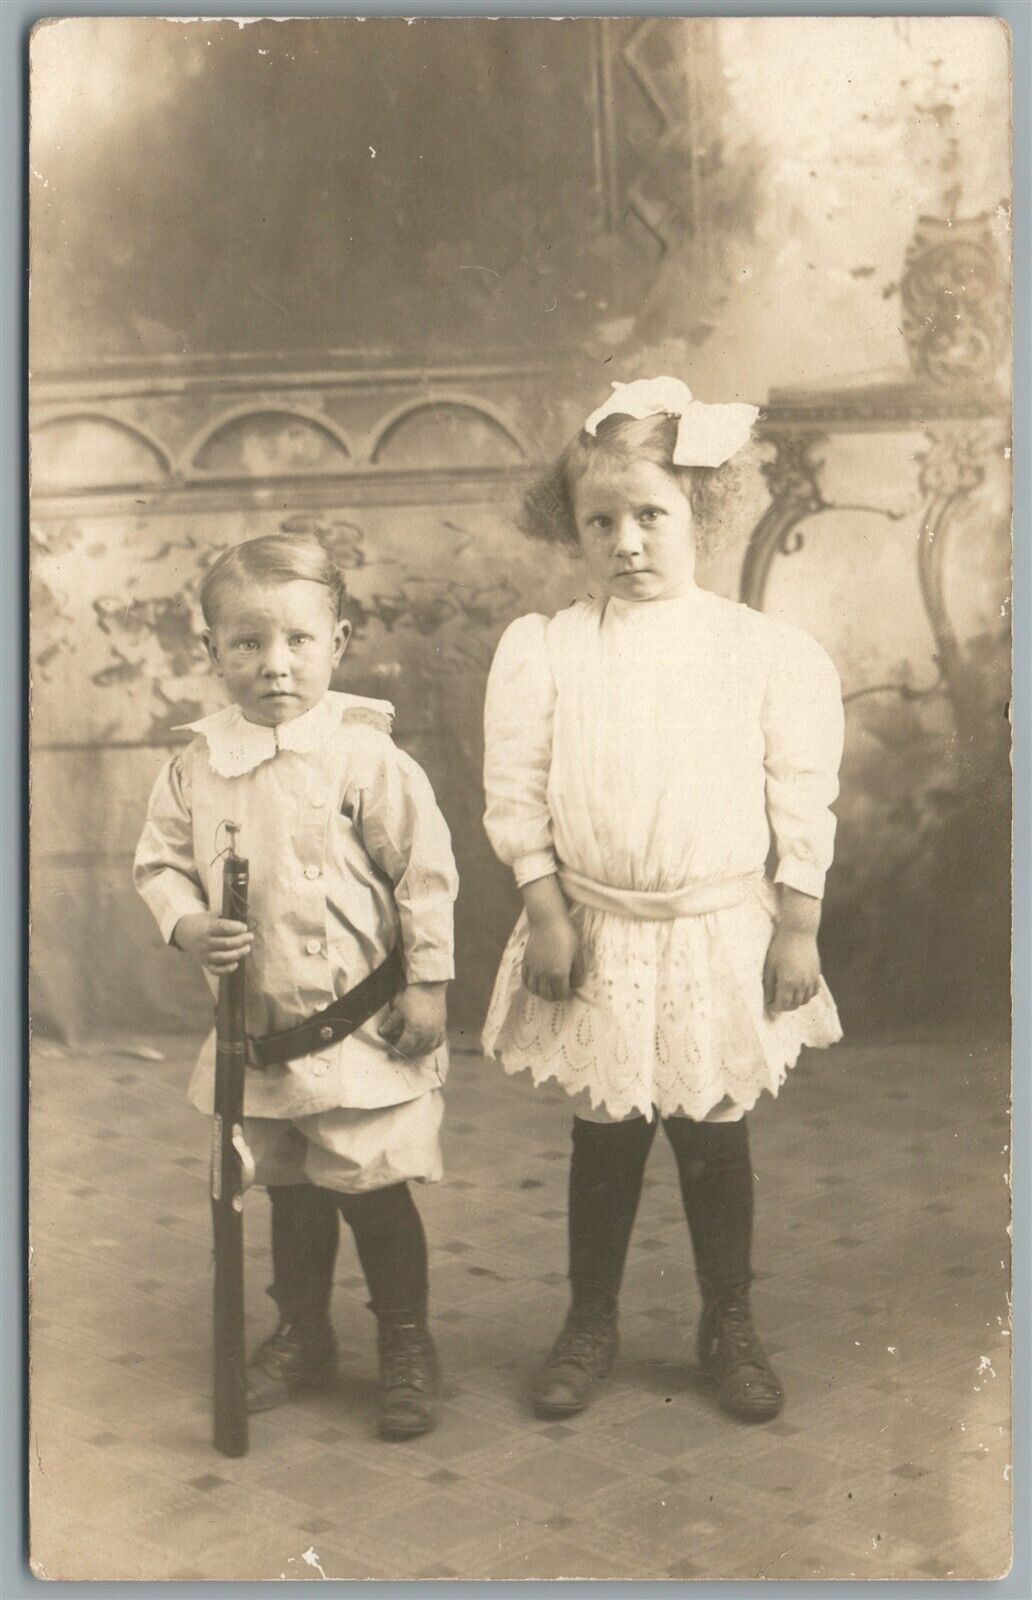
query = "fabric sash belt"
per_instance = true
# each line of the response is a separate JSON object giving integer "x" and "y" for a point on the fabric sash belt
{"x": 335, "y": 1022}
{"x": 694, "y": 900}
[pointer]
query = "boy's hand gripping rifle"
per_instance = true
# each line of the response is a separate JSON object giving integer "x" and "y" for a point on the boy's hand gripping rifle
{"x": 232, "y": 1170}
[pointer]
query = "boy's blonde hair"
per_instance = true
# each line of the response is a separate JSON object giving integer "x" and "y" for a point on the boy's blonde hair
{"x": 618, "y": 441}
{"x": 273, "y": 558}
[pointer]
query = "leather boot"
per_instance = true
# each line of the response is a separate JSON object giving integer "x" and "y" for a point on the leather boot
{"x": 717, "y": 1188}
{"x": 729, "y": 1350}
{"x": 296, "y": 1356}
{"x": 580, "y": 1358}
{"x": 302, "y": 1353}
{"x": 409, "y": 1376}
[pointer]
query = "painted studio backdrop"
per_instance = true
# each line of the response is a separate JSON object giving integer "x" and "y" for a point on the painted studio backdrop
{"x": 364, "y": 276}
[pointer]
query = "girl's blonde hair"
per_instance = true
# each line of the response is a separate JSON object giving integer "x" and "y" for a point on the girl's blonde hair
{"x": 273, "y": 558}
{"x": 619, "y": 440}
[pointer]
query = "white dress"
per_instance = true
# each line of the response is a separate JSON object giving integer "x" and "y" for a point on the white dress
{"x": 652, "y": 753}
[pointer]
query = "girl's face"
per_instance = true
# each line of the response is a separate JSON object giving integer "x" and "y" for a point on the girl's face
{"x": 275, "y": 647}
{"x": 635, "y": 530}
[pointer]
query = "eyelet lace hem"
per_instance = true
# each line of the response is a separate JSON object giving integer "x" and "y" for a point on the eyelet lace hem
{"x": 669, "y": 1015}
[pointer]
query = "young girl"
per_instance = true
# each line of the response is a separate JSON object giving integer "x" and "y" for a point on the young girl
{"x": 644, "y": 750}
{"x": 349, "y": 859}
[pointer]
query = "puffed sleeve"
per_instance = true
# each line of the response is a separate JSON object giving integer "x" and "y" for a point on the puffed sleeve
{"x": 164, "y": 870}
{"x": 803, "y": 732}
{"x": 393, "y": 806}
{"x": 518, "y": 715}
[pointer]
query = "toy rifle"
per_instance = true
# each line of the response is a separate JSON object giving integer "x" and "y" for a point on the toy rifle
{"x": 231, "y": 1172}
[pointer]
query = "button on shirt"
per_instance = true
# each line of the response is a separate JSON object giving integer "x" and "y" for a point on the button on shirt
{"x": 348, "y": 855}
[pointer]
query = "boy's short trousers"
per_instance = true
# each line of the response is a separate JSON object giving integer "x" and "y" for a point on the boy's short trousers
{"x": 351, "y": 1151}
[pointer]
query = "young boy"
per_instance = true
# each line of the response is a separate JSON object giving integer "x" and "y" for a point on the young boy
{"x": 350, "y": 860}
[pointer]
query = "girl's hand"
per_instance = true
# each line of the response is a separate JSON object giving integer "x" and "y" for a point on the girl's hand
{"x": 792, "y": 970}
{"x": 417, "y": 1020}
{"x": 552, "y": 959}
{"x": 552, "y": 963}
{"x": 217, "y": 943}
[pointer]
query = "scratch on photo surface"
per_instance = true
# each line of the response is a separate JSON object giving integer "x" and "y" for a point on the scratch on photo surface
{"x": 312, "y": 1559}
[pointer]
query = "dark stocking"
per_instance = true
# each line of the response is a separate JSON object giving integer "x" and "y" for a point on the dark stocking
{"x": 391, "y": 1247}
{"x": 304, "y": 1248}
{"x": 717, "y": 1189}
{"x": 606, "y": 1175}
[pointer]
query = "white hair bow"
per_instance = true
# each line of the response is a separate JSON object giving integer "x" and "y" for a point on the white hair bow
{"x": 707, "y": 436}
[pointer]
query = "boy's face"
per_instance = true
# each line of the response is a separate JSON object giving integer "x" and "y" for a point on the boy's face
{"x": 635, "y": 530}
{"x": 275, "y": 647}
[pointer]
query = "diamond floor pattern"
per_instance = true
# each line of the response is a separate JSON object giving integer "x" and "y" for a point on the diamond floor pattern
{"x": 881, "y": 1285}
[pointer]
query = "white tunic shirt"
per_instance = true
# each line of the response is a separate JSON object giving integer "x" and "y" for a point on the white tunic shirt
{"x": 657, "y": 747}
{"x": 348, "y": 855}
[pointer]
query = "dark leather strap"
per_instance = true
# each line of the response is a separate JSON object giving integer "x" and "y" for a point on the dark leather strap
{"x": 336, "y": 1022}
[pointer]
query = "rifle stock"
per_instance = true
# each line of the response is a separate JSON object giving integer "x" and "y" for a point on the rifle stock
{"x": 228, "y": 1181}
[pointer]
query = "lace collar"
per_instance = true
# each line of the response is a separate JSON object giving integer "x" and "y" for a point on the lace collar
{"x": 236, "y": 746}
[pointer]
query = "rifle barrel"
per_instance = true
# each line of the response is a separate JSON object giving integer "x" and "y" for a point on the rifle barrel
{"x": 230, "y": 1386}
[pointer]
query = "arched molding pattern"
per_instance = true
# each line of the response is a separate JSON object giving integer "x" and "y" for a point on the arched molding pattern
{"x": 333, "y": 452}
{"x": 390, "y": 427}
{"x": 108, "y": 453}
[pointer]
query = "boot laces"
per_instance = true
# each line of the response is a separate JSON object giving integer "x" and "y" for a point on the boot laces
{"x": 279, "y": 1350}
{"x": 406, "y": 1357}
{"x": 737, "y": 1337}
{"x": 291, "y": 1343}
{"x": 583, "y": 1343}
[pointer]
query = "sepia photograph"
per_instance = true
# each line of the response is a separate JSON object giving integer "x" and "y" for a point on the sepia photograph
{"x": 520, "y": 798}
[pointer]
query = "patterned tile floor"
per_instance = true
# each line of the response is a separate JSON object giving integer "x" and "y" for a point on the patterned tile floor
{"x": 881, "y": 1257}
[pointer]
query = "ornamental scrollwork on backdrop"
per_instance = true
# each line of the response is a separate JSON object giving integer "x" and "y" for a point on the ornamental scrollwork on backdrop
{"x": 793, "y": 475}
{"x": 792, "y": 478}
{"x": 954, "y": 295}
{"x": 956, "y": 461}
